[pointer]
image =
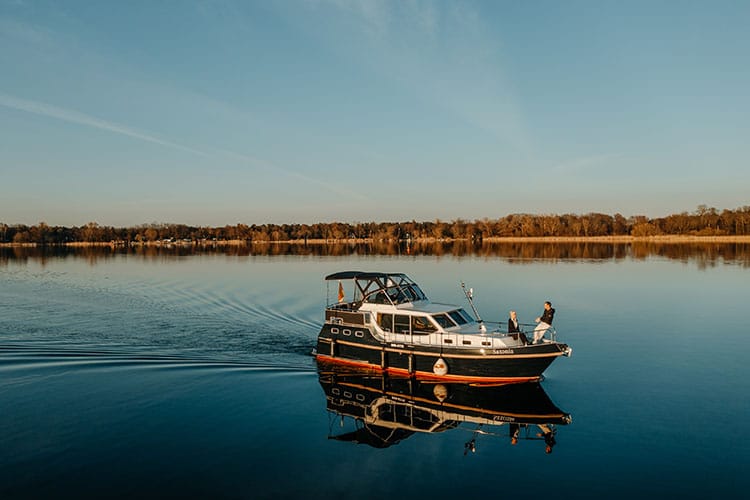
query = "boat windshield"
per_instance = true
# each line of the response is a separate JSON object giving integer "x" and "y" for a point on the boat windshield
{"x": 416, "y": 292}
{"x": 452, "y": 318}
{"x": 460, "y": 316}
{"x": 443, "y": 320}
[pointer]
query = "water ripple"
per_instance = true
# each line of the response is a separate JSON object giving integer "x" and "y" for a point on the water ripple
{"x": 17, "y": 358}
{"x": 216, "y": 316}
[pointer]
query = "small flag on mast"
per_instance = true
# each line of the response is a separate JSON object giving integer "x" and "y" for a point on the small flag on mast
{"x": 341, "y": 292}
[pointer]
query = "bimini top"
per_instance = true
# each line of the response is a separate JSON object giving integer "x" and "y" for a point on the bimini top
{"x": 381, "y": 288}
{"x": 357, "y": 275}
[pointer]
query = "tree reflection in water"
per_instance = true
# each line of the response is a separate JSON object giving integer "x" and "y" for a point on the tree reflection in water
{"x": 517, "y": 252}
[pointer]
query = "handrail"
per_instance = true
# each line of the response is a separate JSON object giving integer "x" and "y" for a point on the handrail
{"x": 503, "y": 329}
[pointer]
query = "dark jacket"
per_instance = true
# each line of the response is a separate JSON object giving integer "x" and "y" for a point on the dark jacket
{"x": 547, "y": 315}
{"x": 512, "y": 327}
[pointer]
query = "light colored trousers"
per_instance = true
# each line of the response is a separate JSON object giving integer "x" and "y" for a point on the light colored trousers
{"x": 539, "y": 331}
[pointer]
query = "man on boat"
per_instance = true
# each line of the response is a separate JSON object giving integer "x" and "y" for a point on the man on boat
{"x": 545, "y": 321}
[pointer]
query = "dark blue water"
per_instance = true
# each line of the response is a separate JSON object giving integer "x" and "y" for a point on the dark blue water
{"x": 191, "y": 377}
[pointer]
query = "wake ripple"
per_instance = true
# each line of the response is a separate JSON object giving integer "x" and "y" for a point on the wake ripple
{"x": 15, "y": 358}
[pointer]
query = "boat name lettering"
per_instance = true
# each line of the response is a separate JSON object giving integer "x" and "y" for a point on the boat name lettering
{"x": 503, "y": 418}
{"x": 503, "y": 351}
{"x": 398, "y": 345}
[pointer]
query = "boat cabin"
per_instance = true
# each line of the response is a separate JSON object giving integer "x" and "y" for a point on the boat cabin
{"x": 395, "y": 310}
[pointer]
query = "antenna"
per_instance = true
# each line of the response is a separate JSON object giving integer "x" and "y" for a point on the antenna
{"x": 470, "y": 297}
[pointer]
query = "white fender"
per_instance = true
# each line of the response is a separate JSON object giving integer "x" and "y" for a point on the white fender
{"x": 440, "y": 367}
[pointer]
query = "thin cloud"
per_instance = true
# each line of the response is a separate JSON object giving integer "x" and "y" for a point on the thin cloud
{"x": 446, "y": 55}
{"x": 71, "y": 116}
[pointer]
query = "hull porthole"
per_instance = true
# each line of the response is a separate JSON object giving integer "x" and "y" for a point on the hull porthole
{"x": 440, "y": 367}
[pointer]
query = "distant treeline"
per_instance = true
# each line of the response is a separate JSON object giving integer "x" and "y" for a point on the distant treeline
{"x": 705, "y": 221}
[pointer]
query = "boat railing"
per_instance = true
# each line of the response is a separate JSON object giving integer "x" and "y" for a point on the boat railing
{"x": 525, "y": 328}
{"x": 346, "y": 314}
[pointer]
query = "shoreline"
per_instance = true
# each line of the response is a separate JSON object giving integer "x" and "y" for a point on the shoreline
{"x": 621, "y": 239}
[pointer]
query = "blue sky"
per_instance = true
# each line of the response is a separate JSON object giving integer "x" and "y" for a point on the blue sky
{"x": 219, "y": 112}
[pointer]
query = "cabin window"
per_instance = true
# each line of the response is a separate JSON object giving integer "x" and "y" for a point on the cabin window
{"x": 385, "y": 321}
{"x": 443, "y": 320}
{"x": 422, "y": 324}
{"x": 401, "y": 323}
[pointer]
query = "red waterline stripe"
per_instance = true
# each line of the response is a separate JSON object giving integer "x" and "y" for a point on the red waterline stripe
{"x": 425, "y": 375}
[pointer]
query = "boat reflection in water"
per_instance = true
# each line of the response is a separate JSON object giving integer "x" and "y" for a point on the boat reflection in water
{"x": 381, "y": 410}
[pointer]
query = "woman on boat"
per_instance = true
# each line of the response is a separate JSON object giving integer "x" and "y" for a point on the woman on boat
{"x": 513, "y": 323}
{"x": 514, "y": 329}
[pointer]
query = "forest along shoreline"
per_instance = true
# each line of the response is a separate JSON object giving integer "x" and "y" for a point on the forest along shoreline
{"x": 706, "y": 224}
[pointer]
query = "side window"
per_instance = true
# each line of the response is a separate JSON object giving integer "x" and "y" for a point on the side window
{"x": 420, "y": 324}
{"x": 386, "y": 322}
{"x": 401, "y": 323}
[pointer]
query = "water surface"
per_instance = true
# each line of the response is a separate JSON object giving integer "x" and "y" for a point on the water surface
{"x": 173, "y": 374}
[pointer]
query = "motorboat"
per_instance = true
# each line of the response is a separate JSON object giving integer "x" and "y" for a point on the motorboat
{"x": 389, "y": 324}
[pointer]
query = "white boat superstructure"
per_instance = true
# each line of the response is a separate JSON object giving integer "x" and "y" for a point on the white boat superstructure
{"x": 389, "y": 322}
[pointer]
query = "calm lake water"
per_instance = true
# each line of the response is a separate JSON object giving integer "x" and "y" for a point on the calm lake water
{"x": 172, "y": 374}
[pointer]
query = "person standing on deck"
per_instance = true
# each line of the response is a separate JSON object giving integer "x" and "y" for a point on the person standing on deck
{"x": 513, "y": 322}
{"x": 545, "y": 321}
{"x": 514, "y": 329}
